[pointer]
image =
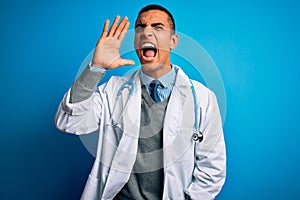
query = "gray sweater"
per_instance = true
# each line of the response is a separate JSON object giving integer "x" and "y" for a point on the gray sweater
{"x": 147, "y": 178}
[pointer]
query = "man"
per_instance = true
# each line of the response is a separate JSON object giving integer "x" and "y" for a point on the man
{"x": 150, "y": 123}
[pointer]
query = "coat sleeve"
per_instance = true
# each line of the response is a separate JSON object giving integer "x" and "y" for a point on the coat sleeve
{"x": 82, "y": 117}
{"x": 210, "y": 156}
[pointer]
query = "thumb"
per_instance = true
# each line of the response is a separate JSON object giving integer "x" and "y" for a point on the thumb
{"x": 126, "y": 62}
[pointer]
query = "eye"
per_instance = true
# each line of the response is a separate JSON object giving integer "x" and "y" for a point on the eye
{"x": 139, "y": 29}
{"x": 159, "y": 28}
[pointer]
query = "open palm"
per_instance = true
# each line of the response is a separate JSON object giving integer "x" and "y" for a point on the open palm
{"x": 106, "y": 54}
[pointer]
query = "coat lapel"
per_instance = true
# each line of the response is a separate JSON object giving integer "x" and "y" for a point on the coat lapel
{"x": 132, "y": 107}
{"x": 179, "y": 119}
{"x": 125, "y": 154}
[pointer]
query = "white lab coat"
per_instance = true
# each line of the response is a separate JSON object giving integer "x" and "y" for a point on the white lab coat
{"x": 192, "y": 168}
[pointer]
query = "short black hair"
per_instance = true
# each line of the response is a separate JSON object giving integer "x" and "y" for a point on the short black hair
{"x": 158, "y": 7}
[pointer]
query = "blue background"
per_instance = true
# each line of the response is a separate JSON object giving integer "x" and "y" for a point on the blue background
{"x": 254, "y": 44}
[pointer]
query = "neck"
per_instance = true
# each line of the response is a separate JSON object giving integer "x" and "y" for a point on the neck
{"x": 156, "y": 71}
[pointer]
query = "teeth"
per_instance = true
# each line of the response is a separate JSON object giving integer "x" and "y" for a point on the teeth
{"x": 147, "y": 45}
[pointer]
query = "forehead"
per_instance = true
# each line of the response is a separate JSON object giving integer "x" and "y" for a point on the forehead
{"x": 154, "y": 16}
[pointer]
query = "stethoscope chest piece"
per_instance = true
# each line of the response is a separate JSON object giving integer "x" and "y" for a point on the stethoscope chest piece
{"x": 197, "y": 136}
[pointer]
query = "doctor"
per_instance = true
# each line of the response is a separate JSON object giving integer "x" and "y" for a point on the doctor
{"x": 160, "y": 133}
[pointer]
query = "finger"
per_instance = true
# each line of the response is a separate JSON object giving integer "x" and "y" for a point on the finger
{"x": 124, "y": 31}
{"x": 104, "y": 31}
{"x": 126, "y": 62}
{"x": 114, "y": 25}
{"x": 121, "y": 26}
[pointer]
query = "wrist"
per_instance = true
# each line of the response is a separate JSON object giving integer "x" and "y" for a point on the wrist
{"x": 98, "y": 65}
{"x": 96, "y": 68}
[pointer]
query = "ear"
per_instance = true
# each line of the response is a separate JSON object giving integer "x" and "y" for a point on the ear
{"x": 174, "y": 41}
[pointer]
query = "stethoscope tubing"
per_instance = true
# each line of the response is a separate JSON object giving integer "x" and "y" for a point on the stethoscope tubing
{"x": 197, "y": 136}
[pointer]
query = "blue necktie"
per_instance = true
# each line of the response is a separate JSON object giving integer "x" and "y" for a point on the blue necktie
{"x": 153, "y": 90}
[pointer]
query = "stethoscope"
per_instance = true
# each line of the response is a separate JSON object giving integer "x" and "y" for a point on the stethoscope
{"x": 197, "y": 134}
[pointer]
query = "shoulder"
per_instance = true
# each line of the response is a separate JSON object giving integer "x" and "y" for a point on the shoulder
{"x": 199, "y": 87}
{"x": 115, "y": 82}
{"x": 204, "y": 95}
{"x": 206, "y": 98}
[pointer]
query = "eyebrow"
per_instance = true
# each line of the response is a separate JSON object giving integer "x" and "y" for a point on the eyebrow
{"x": 153, "y": 25}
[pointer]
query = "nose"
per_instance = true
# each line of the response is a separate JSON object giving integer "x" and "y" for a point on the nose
{"x": 148, "y": 32}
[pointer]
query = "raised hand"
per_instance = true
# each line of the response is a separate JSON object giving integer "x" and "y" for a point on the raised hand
{"x": 106, "y": 54}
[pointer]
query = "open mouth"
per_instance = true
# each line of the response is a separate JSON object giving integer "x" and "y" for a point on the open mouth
{"x": 149, "y": 50}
